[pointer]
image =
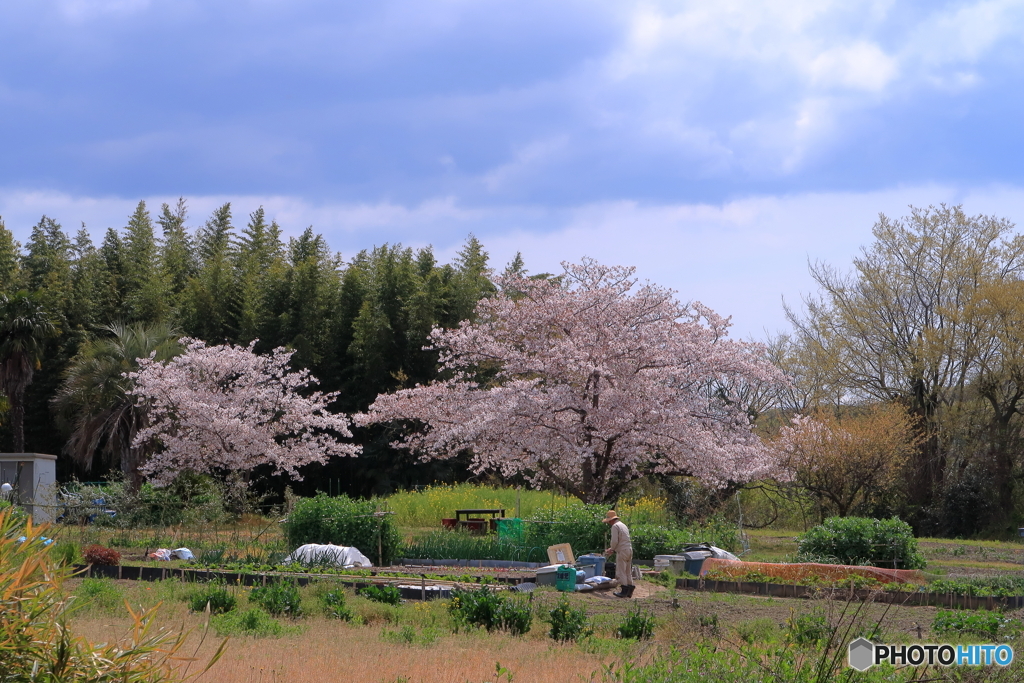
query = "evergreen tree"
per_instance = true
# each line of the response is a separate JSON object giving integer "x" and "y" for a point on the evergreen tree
{"x": 177, "y": 254}
{"x": 472, "y": 281}
{"x": 305, "y": 300}
{"x": 360, "y": 327}
{"x": 209, "y": 305}
{"x": 87, "y": 269}
{"x": 10, "y": 266}
{"x": 47, "y": 266}
{"x": 259, "y": 262}
{"x": 516, "y": 267}
{"x": 144, "y": 291}
{"x": 111, "y": 288}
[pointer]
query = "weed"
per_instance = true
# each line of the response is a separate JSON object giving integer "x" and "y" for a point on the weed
{"x": 981, "y": 623}
{"x": 407, "y": 635}
{"x": 65, "y": 553}
{"x": 254, "y": 622}
{"x": 708, "y": 621}
{"x": 808, "y": 629}
{"x": 638, "y": 625}
{"x": 333, "y": 603}
{"x": 100, "y": 593}
{"x": 278, "y": 598}
{"x": 389, "y": 595}
{"x": 216, "y": 595}
{"x": 762, "y": 630}
{"x": 491, "y": 610}
{"x": 569, "y": 623}
{"x": 666, "y": 578}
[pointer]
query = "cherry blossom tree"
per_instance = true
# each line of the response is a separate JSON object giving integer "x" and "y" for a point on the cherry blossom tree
{"x": 229, "y": 409}
{"x": 588, "y": 381}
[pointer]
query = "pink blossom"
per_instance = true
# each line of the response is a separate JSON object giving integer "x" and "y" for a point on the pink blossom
{"x": 227, "y": 408}
{"x": 589, "y": 382}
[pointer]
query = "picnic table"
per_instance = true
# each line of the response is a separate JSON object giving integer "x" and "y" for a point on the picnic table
{"x": 473, "y": 519}
{"x": 477, "y": 512}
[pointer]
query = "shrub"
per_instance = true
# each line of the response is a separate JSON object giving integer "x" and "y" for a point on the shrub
{"x": 98, "y": 555}
{"x": 568, "y": 622}
{"x": 252, "y": 622}
{"x": 861, "y": 540}
{"x": 990, "y": 625}
{"x": 189, "y": 499}
{"x": 278, "y": 598}
{"x": 637, "y": 624}
{"x": 344, "y": 521}
{"x": 389, "y": 595}
{"x": 333, "y": 603}
{"x": 476, "y": 608}
{"x": 216, "y": 595}
{"x": 491, "y": 610}
{"x": 515, "y": 616}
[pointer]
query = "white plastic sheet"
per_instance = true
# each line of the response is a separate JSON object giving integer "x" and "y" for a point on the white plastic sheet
{"x": 176, "y": 554}
{"x": 334, "y": 555}
{"x": 720, "y": 554}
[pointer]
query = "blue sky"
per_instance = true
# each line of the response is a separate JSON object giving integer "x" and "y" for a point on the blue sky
{"x": 717, "y": 146}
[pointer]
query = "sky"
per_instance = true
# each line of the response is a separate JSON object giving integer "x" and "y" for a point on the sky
{"x": 718, "y": 147}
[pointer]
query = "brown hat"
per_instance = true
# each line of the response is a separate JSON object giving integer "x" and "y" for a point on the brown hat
{"x": 611, "y": 517}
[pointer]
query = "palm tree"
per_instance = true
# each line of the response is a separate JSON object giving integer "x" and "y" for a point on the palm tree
{"x": 93, "y": 402}
{"x": 24, "y": 326}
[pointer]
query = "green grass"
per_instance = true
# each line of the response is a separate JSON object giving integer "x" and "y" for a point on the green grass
{"x": 254, "y": 622}
{"x": 100, "y": 595}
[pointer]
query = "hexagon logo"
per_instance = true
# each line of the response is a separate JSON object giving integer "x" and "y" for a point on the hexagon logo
{"x": 862, "y": 654}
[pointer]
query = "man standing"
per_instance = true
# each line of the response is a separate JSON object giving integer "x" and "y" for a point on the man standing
{"x": 623, "y": 549}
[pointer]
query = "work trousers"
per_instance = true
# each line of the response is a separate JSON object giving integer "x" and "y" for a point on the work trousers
{"x": 624, "y": 568}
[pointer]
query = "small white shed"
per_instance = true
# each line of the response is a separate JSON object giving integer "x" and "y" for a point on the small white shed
{"x": 34, "y": 479}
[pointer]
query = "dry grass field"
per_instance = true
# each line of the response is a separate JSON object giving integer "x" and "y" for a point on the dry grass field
{"x": 327, "y": 650}
{"x": 415, "y": 643}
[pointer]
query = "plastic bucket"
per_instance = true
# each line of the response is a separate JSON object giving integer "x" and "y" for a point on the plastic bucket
{"x": 596, "y": 560}
{"x": 565, "y": 578}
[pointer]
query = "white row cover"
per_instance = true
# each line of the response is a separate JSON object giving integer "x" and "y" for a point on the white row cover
{"x": 336, "y": 555}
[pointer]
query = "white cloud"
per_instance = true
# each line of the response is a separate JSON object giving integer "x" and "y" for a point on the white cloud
{"x": 773, "y": 84}
{"x": 859, "y": 66}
